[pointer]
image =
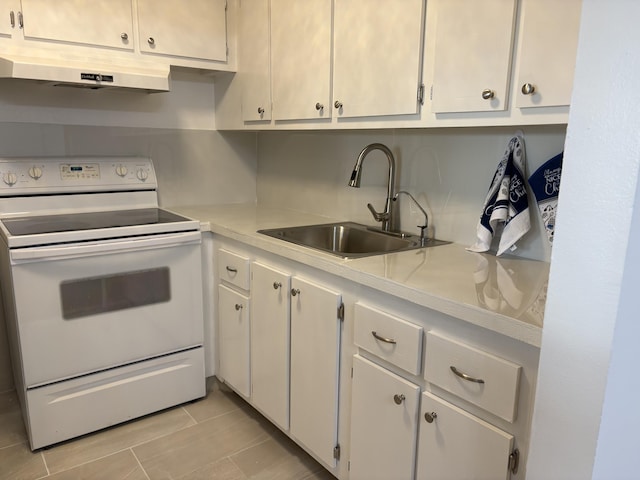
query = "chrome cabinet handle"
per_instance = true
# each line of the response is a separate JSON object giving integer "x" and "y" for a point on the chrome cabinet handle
{"x": 383, "y": 339}
{"x": 465, "y": 376}
{"x": 238, "y": 307}
{"x": 337, "y": 104}
{"x": 231, "y": 269}
{"x": 528, "y": 89}
{"x": 295, "y": 291}
{"x": 124, "y": 36}
{"x": 151, "y": 41}
{"x": 276, "y": 285}
{"x": 398, "y": 398}
{"x": 260, "y": 110}
{"x": 488, "y": 94}
{"x": 20, "y": 20}
{"x": 430, "y": 417}
{"x": 319, "y": 106}
{"x": 12, "y": 17}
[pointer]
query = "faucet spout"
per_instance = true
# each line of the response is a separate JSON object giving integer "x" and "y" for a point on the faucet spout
{"x": 386, "y": 217}
{"x": 422, "y": 228}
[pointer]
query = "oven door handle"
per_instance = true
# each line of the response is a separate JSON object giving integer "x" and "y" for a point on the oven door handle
{"x": 60, "y": 252}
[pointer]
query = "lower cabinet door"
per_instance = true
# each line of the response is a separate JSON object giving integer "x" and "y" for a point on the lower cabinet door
{"x": 453, "y": 444}
{"x": 233, "y": 316}
{"x": 270, "y": 343}
{"x": 384, "y": 423}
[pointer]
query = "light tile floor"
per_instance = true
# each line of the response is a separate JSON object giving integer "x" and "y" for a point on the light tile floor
{"x": 219, "y": 437}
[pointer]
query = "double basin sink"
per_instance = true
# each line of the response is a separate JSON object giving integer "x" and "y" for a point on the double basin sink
{"x": 349, "y": 239}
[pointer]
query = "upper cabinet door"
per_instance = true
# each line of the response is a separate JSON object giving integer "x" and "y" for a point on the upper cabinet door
{"x": 473, "y": 46}
{"x": 9, "y": 17}
{"x": 547, "y": 52}
{"x": 377, "y": 57}
{"x": 194, "y": 29}
{"x": 301, "y": 59}
{"x": 104, "y": 24}
{"x": 254, "y": 60}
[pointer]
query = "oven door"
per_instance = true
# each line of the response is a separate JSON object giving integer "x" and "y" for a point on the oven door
{"x": 83, "y": 308}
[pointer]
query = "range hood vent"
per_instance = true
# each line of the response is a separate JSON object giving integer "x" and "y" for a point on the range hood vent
{"x": 90, "y": 75}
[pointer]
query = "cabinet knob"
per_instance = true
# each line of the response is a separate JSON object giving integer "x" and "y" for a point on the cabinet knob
{"x": 124, "y": 36}
{"x": 295, "y": 291}
{"x": 338, "y": 104}
{"x": 398, "y": 398}
{"x": 260, "y": 110}
{"x": 276, "y": 285}
{"x": 238, "y": 306}
{"x": 430, "y": 416}
{"x": 151, "y": 41}
{"x": 487, "y": 94}
{"x": 319, "y": 106}
{"x": 528, "y": 89}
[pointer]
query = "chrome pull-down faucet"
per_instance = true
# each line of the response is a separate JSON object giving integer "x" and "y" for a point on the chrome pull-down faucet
{"x": 386, "y": 217}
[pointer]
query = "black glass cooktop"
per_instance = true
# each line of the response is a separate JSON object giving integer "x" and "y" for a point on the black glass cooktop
{"x": 89, "y": 221}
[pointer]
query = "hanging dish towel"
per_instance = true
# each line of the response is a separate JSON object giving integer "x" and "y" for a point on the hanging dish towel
{"x": 506, "y": 204}
{"x": 545, "y": 183}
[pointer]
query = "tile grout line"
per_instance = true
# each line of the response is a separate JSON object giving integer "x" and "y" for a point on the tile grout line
{"x": 139, "y": 463}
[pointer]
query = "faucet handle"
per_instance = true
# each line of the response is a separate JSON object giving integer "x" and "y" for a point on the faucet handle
{"x": 379, "y": 217}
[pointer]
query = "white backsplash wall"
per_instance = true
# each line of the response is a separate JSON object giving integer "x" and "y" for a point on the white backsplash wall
{"x": 448, "y": 171}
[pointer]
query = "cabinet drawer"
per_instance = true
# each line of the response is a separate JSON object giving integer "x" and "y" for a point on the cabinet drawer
{"x": 233, "y": 268}
{"x": 479, "y": 377}
{"x": 388, "y": 337}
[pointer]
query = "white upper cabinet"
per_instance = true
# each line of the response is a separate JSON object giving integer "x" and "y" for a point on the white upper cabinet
{"x": 9, "y": 20}
{"x": 103, "y": 24}
{"x": 254, "y": 61}
{"x": 547, "y": 52}
{"x": 473, "y": 47}
{"x": 194, "y": 30}
{"x": 377, "y": 57}
{"x": 301, "y": 59}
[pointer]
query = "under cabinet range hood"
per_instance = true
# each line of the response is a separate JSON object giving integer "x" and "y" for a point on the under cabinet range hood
{"x": 90, "y": 74}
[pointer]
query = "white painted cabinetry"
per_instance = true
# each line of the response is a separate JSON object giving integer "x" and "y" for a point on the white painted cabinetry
{"x": 315, "y": 361}
{"x": 454, "y": 444}
{"x": 270, "y": 335}
{"x": 233, "y": 320}
{"x": 384, "y": 423}
{"x": 195, "y": 29}
{"x": 9, "y": 20}
{"x": 103, "y": 24}
{"x": 301, "y": 59}
{"x": 472, "y": 56}
{"x": 377, "y": 57}
{"x": 547, "y": 52}
{"x": 254, "y": 59}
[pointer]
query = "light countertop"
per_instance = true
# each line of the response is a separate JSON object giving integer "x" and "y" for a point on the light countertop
{"x": 502, "y": 294}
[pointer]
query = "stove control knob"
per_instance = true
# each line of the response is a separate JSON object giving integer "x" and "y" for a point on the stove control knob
{"x": 35, "y": 172}
{"x": 142, "y": 174}
{"x": 121, "y": 170}
{"x": 10, "y": 178}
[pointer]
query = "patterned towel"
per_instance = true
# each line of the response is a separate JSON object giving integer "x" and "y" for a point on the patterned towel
{"x": 507, "y": 204}
{"x": 545, "y": 183}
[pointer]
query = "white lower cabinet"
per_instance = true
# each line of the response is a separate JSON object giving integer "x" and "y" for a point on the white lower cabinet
{"x": 270, "y": 343}
{"x": 315, "y": 362}
{"x": 233, "y": 330}
{"x": 454, "y": 445}
{"x": 384, "y": 423}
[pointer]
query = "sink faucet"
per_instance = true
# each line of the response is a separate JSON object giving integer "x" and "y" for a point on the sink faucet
{"x": 386, "y": 217}
{"x": 423, "y": 240}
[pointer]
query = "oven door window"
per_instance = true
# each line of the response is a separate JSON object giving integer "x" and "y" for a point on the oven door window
{"x": 91, "y": 296}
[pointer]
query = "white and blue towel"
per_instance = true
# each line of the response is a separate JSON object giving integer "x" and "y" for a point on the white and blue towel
{"x": 507, "y": 205}
{"x": 545, "y": 183}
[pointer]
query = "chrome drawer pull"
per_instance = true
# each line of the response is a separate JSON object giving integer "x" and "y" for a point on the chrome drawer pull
{"x": 231, "y": 269}
{"x": 465, "y": 376}
{"x": 383, "y": 339}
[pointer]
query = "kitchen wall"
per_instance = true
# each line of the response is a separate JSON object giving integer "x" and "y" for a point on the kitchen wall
{"x": 447, "y": 170}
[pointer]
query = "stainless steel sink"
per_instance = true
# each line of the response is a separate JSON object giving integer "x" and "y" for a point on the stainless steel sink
{"x": 349, "y": 239}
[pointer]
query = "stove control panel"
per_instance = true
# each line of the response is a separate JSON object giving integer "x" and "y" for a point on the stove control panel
{"x": 75, "y": 174}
